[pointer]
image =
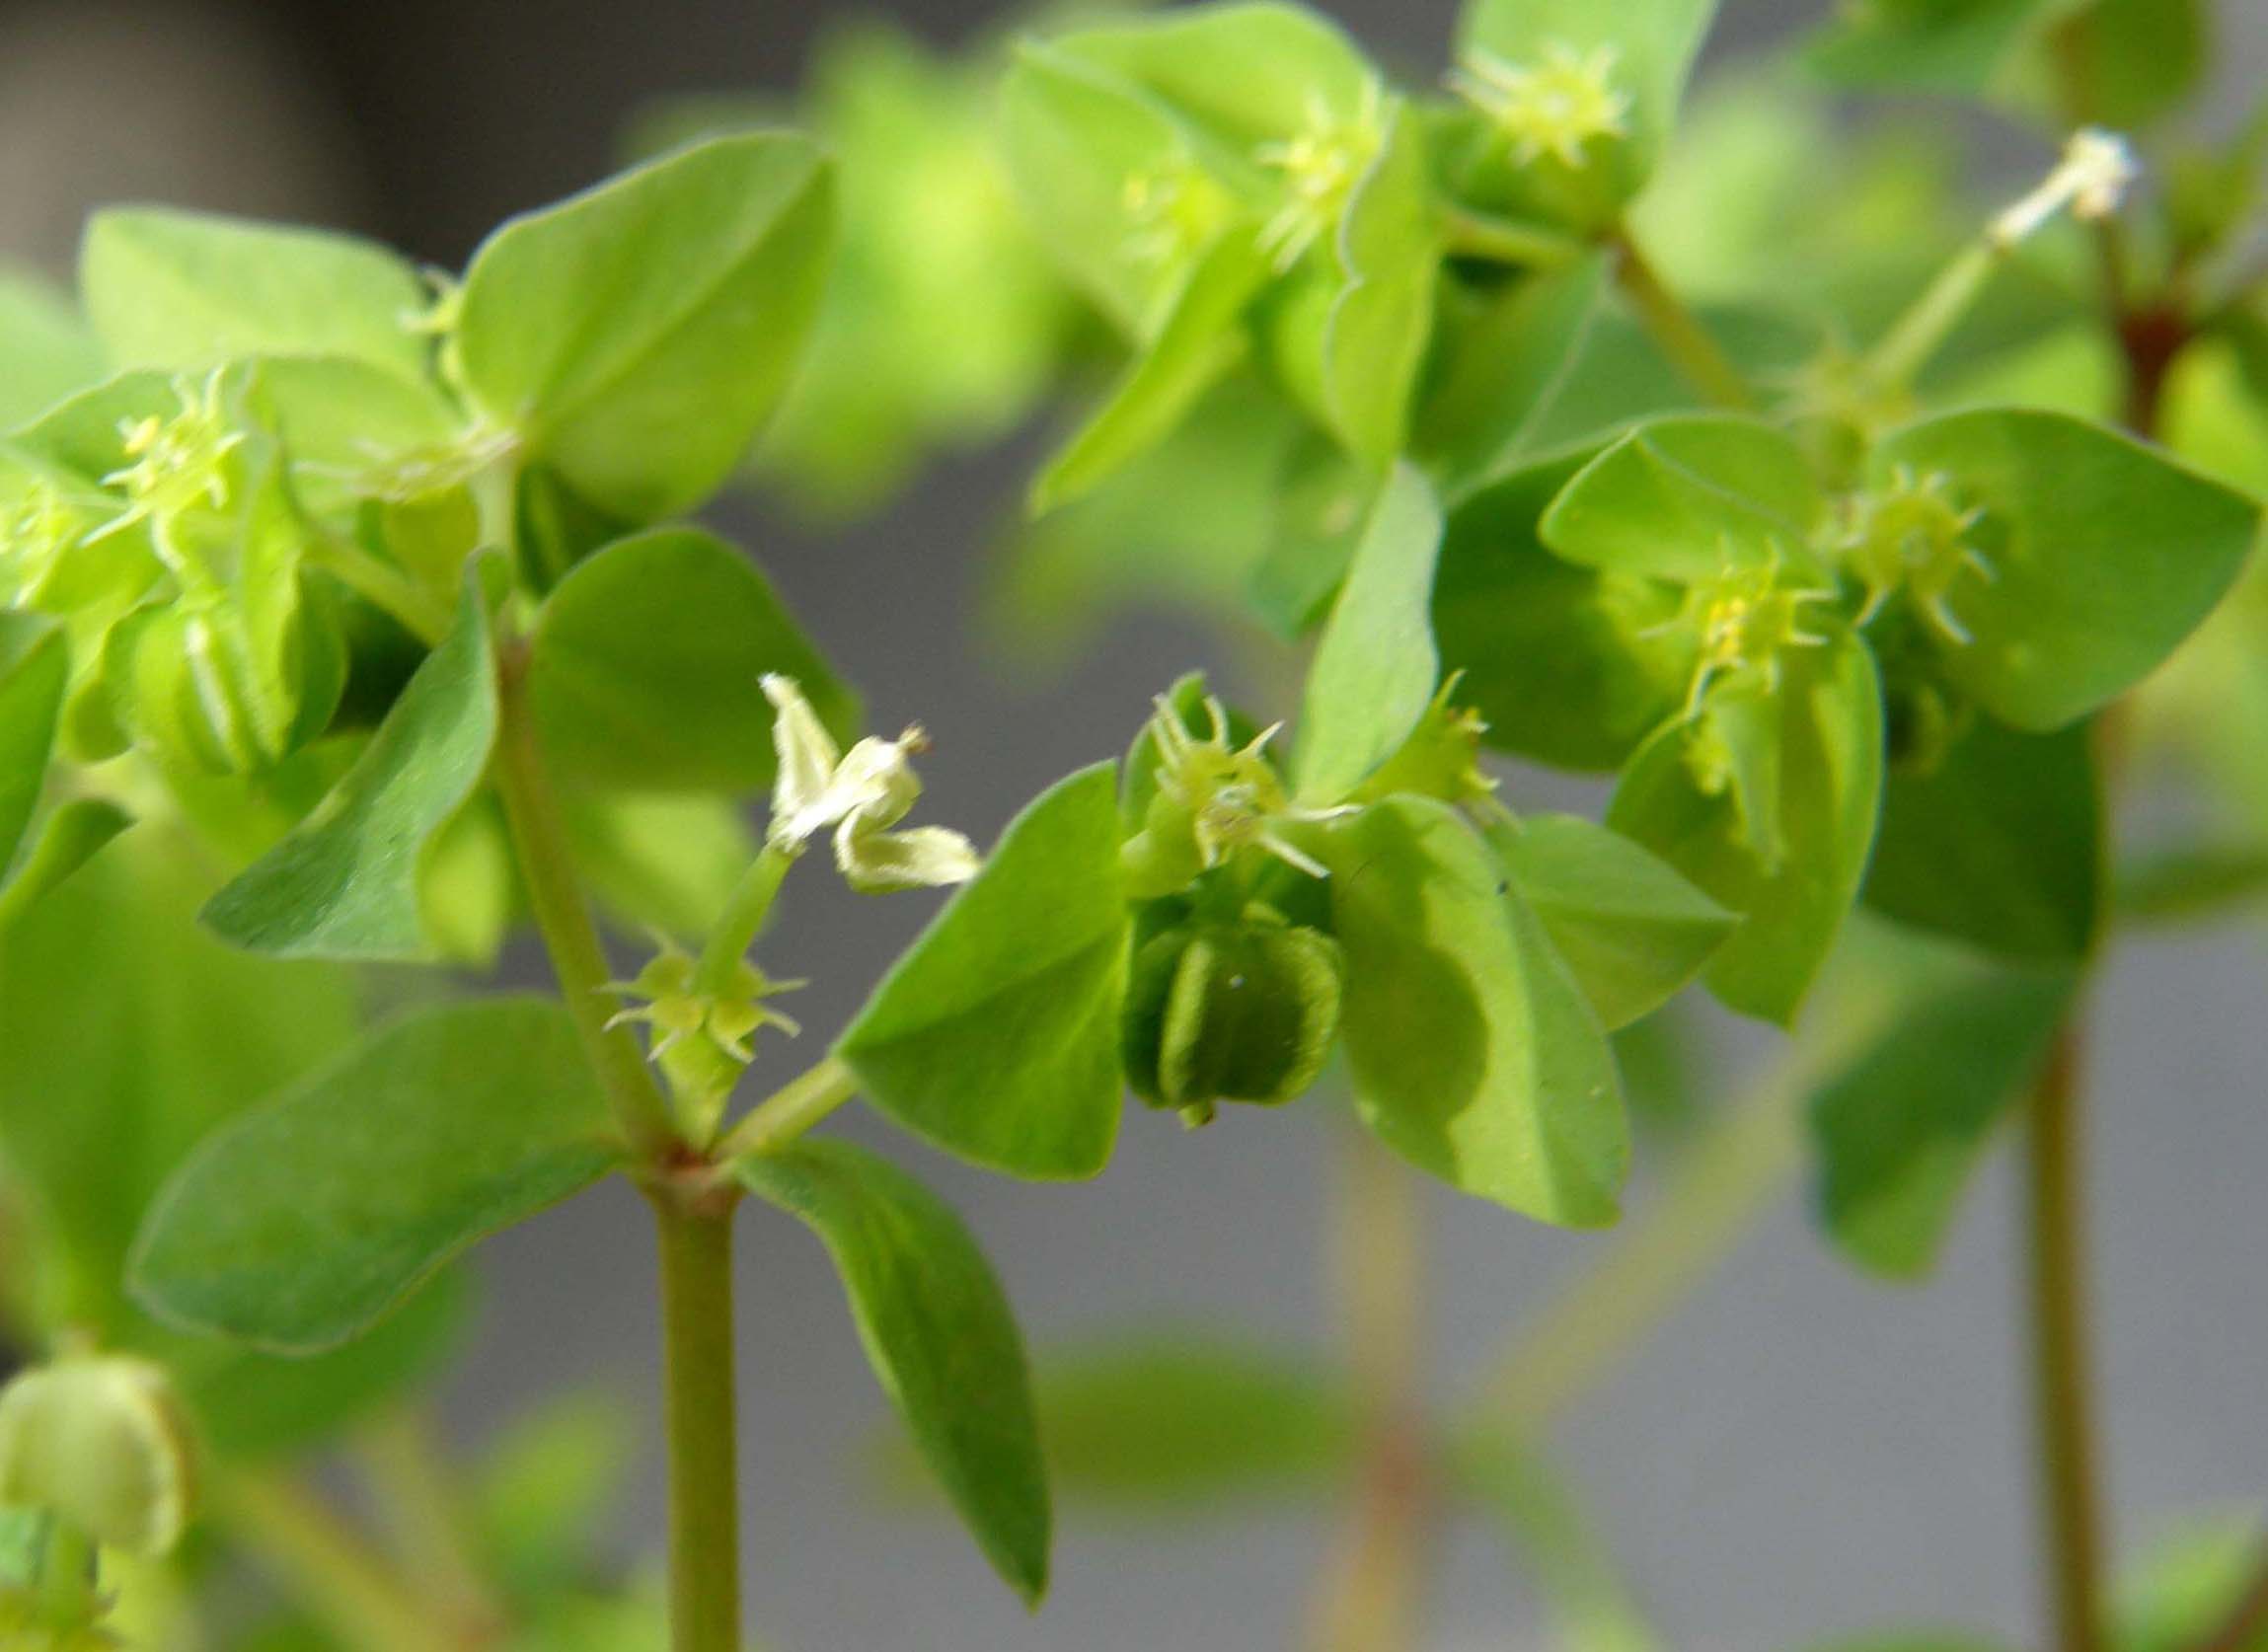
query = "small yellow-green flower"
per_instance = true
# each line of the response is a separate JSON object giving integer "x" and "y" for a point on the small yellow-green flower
{"x": 1321, "y": 164}
{"x": 678, "y": 1006}
{"x": 1554, "y": 108}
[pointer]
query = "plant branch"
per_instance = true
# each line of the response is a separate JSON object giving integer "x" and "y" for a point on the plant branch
{"x": 293, "y": 1534}
{"x": 1716, "y": 1195}
{"x": 1468, "y": 234}
{"x": 2063, "y": 1393}
{"x": 794, "y": 1107}
{"x": 1682, "y": 338}
{"x": 1370, "y": 1598}
{"x": 547, "y": 868}
{"x": 420, "y": 1507}
{"x": 697, "y": 1415}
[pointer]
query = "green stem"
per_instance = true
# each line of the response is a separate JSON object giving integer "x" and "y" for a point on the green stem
{"x": 742, "y": 919}
{"x": 697, "y": 1415}
{"x": 547, "y": 868}
{"x": 70, "y": 1575}
{"x": 794, "y": 1107}
{"x": 421, "y": 1510}
{"x": 385, "y": 587}
{"x": 1584, "y": 1592}
{"x": 1467, "y": 234}
{"x": 1682, "y": 338}
{"x": 1925, "y": 324}
{"x": 1717, "y": 1192}
{"x": 348, "y": 1588}
{"x": 1370, "y": 1600}
{"x": 2063, "y": 1391}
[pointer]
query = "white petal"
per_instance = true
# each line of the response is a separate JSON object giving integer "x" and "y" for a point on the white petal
{"x": 877, "y": 863}
{"x": 808, "y": 761}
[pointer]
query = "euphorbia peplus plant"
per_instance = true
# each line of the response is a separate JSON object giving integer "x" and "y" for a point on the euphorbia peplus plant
{"x": 352, "y": 603}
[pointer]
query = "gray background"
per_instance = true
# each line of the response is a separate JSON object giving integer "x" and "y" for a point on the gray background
{"x": 1795, "y": 1453}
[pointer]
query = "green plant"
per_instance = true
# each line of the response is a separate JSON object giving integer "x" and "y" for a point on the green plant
{"x": 352, "y": 610}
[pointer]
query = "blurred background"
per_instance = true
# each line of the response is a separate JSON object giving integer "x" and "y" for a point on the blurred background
{"x": 1797, "y": 1453}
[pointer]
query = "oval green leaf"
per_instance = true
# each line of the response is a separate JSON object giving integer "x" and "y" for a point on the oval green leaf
{"x": 996, "y": 1036}
{"x": 646, "y": 662}
{"x": 1475, "y": 1054}
{"x": 343, "y": 882}
{"x": 637, "y": 335}
{"x": 938, "y": 1332}
{"x": 302, "y": 1223}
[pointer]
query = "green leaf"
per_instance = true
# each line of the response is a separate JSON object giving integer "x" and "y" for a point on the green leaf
{"x": 1374, "y": 338}
{"x": 1961, "y": 47}
{"x": 1504, "y": 357}
{"x": 45, "y": 350}
{"x": 1184, "y": 1425}
{"x": 2104, "y": 554}
{"x": 1652, "y": 45}
{"x": 1998, "y": 845}
{"x": 1680, "y": 497}
{"x": 343, "y": 882}
{"x": 68, "y": 840}
{"x": 300, "y": 1224}
{"x": 1073, "y": 135}
{"x": 1553, "y": 655}
{"x": 1630, "y": 930}
{"x": 2189, "y": 1587}
{"x": 1200, "y": 340}
{"x": 1794, "y": 870}
{"x": 646, "y": 662}
{"x": 1375, "y": 670}
{"x": 1245, "y": 72}
{"x": 2192, "y": 882}
{"x": 637, "y": 335}
{"x": 34, "y": 670}
{"x": 938, "y": 1331}
{"x": 132, "y": 1035}
{"x": 996, "y": 1036}
{"x": 177, "y": 289}
{"x": 252, "y": 1406}
{"x": 1901, "y": 1126}
{"x": 1475, "y": 1054}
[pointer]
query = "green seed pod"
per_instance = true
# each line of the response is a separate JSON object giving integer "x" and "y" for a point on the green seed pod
{"x": 1240, "y": 1012}
{"x": 102, "y": 1444}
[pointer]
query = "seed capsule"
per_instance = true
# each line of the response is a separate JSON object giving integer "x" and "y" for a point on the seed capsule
{"x": 1230, "y": 1013}
{"x": 102, "y": 1443}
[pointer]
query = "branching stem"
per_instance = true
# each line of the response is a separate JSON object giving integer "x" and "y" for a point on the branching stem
{"x": 1682, "y": 338}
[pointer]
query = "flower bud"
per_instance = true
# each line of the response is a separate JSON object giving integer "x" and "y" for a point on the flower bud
{"x": 102, "y": 1444}
{"x": 1242, "y": 1011}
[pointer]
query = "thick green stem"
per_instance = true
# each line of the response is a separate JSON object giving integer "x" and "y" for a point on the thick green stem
{"x": 792, "y": 1110}
{"x": 546, "y": 869}
{"x": 1721, "y": 1186}
{"x": 1371, "y": 1596}
{"x": 70, "y": 1575}
{"x": 362, "y": 1603}
{"x": 2063, "y": 1389}
{"x": 694, "y": 1214}
{"x": 698, "y": 1413}
{"x": 1687, "y": 345}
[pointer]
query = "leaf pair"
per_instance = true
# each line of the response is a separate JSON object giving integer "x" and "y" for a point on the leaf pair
{"x": 630, "y": 340}
{"x": 642, "y": 674}
{"x": 1230, "y": 183}
{"x": 2025, "y": 562}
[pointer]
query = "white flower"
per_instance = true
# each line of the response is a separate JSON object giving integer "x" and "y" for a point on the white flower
{"x": 862, "y": 794}
{"x": 2092, "y": 179}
